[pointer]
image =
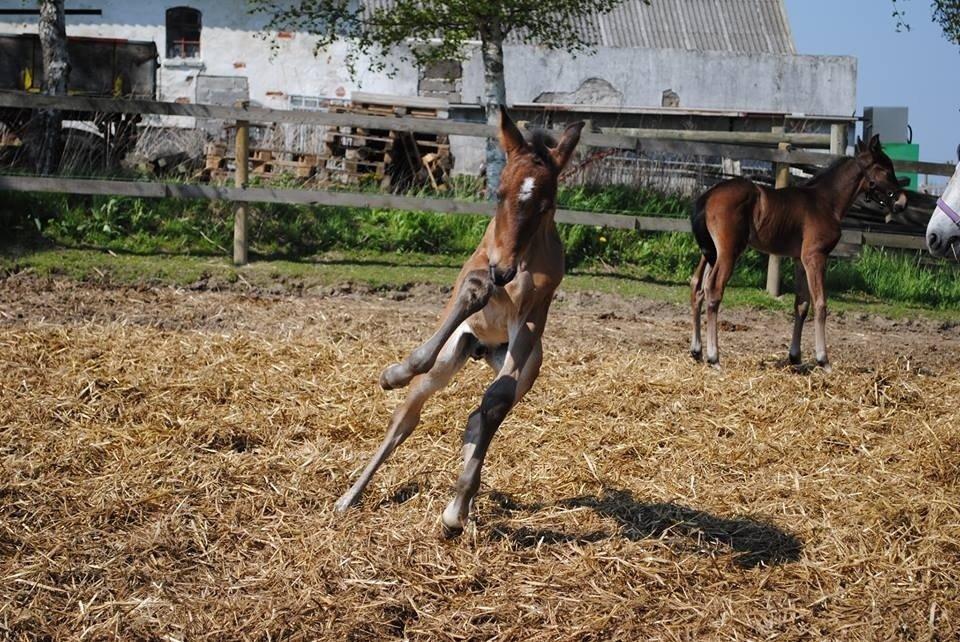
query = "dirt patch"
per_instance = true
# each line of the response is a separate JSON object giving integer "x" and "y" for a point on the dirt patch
{"x": 170, "y": 459}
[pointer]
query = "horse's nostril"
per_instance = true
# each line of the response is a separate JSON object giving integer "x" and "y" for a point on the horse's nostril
{"x": 933, "y": 241}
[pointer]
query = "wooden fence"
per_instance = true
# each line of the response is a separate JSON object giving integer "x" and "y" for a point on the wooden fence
{"x": 775, "y": 146}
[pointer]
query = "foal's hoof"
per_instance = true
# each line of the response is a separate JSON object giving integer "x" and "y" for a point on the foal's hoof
{"x": 794, "y": 359}
{"x": 394, "y": 377}
{"x": 697, "y": 355}
{"x": 344, "y": 504}
{"x": 451, "y": 532}
{"x": 714, "y": 363}
{"x": 825, "y": 366}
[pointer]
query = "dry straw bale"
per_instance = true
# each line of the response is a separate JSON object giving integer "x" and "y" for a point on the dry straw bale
{"x": 170, "y": 461}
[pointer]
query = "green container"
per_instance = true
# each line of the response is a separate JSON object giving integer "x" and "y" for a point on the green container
{"x": 904, "y": 152}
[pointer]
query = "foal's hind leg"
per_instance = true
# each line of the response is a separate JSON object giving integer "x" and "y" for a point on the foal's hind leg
{"x": 474, "y": 292}
{"x": 801, "y": 305}
{"x": 520, "y": 369}
{"x": 696, "y": 305}
{"x": 714, "y": 286}
{"x": 406, "y": 417}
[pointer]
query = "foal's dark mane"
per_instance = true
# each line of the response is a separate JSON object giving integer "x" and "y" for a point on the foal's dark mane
{"x": 828, "y": 172}
{"x": 541, "y": 141}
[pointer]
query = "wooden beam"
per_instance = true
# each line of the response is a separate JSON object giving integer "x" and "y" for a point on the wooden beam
{"x": 656, "y": 141}
{"x": 318, "y": 197}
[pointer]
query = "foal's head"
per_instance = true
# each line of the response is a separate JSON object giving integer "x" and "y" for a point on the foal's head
{"x": 528, "y": 192}
{"x": 880, "y": 181}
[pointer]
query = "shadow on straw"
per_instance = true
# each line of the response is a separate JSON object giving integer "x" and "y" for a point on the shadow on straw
{"x": 755, "y": 542}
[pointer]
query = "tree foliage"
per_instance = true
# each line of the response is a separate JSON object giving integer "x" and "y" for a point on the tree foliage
{"x": 946, "y": 13}
{"x": 425, "y": 31}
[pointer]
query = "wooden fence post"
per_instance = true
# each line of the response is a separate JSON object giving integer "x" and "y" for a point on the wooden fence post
{"x": 240, "y": 214}
{"x": 838, "y": 139}
{"x": 782, "y": 173}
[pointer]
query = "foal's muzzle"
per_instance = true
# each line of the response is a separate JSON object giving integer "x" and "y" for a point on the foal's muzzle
{"x": 502, "y": 277}
{"x": 900, "y": 204}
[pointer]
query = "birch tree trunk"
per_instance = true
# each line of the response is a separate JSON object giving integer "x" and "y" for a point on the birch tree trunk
{"x": 494, "y": 95}
{"x": 56, "y": 71}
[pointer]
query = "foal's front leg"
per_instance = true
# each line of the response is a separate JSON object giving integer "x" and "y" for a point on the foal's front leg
{"x": 405, "y": 418}
{"x": 473, "y": 293}
{"x": 520, "y": 369}
{"x": 815, "y": 264}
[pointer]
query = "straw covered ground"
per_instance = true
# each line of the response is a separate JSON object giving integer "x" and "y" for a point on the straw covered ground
{"x": 170, "y": 459}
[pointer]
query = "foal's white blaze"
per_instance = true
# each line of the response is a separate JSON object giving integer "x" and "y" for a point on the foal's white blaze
{"x": 526, "y": 190}
{"x": 943, "y": 235}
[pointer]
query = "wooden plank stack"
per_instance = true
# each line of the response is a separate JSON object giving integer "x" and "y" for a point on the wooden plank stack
{"x": 357, "y": 155}
{"x": 354, "y": 155}
{"x": 270, "y": 164}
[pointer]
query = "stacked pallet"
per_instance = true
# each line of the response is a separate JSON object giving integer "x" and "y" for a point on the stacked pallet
{"x": 269, "y": 164}
{"x": 355, "y": 155}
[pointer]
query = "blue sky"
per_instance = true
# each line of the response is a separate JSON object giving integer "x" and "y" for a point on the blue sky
{"x": 918, "y": 69}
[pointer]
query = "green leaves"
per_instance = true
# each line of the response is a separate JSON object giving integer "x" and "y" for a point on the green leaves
{"x": 426, "y": 31}
{"x": 946, "y": 13}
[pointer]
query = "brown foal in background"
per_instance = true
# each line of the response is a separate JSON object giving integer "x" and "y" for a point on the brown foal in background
{"x": 498, "y": 312}
{"x": 802, "y": 222}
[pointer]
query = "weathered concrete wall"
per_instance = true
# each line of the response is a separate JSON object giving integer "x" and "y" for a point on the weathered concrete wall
{"x": 815, "y": 85}
{"x": 229, "y": 46}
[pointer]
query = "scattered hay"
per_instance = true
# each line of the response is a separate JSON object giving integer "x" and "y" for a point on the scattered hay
{"x": 170, "y": 462}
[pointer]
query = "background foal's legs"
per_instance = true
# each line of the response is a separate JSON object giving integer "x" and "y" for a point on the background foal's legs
{"x": 714, "y": 285}
{"x": 815, "y": 265}
{"x": 516, "y": 377}
{"x": 801, "y": 304}
{"x": 696, "y": 305}
{"x": 406, "y": 417}
{"x": 474, "y": 292}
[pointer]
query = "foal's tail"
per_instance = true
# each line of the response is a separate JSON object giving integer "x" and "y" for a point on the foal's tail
{"x": 698, "y": 220}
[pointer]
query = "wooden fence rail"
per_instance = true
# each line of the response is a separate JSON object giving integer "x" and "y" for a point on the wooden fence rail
{"x": 734, "y": 145}
{"x": 383, "y": 201}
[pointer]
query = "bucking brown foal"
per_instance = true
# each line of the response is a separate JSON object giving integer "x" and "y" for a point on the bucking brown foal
{"x": 497, "y": 312}
{"x": 802, "y": 222}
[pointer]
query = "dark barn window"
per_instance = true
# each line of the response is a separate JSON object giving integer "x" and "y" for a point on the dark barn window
{"x": 183, "y": 33}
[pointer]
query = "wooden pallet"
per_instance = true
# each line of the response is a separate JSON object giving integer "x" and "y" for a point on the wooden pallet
{"x": 355, "y": 155}
{"x": 220, "y": 163}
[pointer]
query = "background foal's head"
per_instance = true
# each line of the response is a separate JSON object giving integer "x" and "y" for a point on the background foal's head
{"x": 528, "y": 191}
{"x": 881, "y": 183}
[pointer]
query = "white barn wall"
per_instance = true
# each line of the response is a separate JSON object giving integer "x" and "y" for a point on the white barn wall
{"x": 814, "y": 85}
{"x": 780, "y": 83}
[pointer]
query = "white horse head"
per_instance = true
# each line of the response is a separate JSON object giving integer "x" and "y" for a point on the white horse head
{"x": 943, "y": 231}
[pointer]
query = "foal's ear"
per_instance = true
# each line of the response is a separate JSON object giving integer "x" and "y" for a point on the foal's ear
{"x": 568, "y": 142}
{"x": 510, "y": 137}
{"x": 859, "y": 147}
{"x": 875, "y": 143}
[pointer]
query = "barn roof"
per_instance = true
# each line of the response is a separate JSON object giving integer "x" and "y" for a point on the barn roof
{"x": 744, "y": 26}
